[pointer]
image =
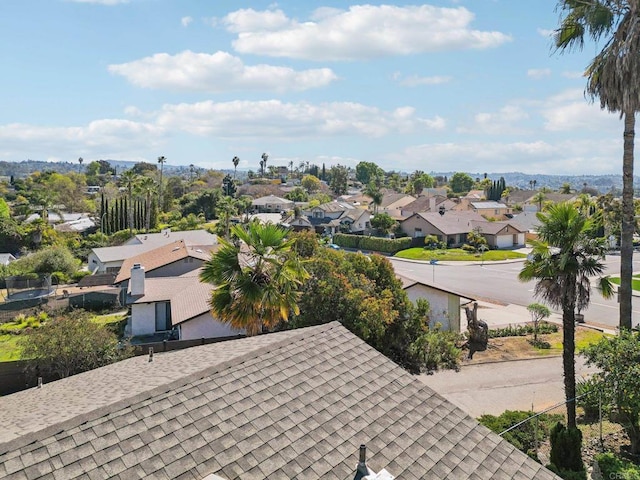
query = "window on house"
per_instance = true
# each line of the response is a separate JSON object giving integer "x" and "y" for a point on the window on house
{"x": 163, "y": 316}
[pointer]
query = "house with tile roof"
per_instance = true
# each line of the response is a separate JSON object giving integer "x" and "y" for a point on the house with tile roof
{"x": 425, "y": 203}
{"x": 338, "y": 217}
{"x": 393, "y": 203}
{"x": 451, "y": 227}
{"x": 176, "y": 306}
{"x": 110, "y": 259}
{"x": 445, "y": 304}
{"x": 293, "y": 404}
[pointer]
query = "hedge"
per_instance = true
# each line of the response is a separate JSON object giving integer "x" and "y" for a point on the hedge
{"x": 375, "y": 244}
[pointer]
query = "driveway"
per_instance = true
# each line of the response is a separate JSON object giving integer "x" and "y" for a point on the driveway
{"x": 496, "y": 387}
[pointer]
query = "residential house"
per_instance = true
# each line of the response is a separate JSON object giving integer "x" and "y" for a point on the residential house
{"x": 529, "y": 222}
{"x": 488, "y": 208}
{"x": 294, "y": 404}
{"x": 271, "y": 204}
{"x": 338, "y": 217}
{"x": 427, "y": 203}
{"x": 451, "y": 227}
{"x": 357, "y": 200}
{"x": 552, "y": 197}
{"x": 110, "y": 259}
{"x": 476, "y": 195}
{"x": 393, "y": 203}
{"x": 503, "y": 234}
{"x": 179, "y": 305}
{"x": 6, "y": 259}
{"x": 445, "y": 304}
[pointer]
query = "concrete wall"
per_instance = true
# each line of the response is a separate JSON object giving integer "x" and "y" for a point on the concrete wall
{"x": 205, "y": 326}
{"x": 93, "y": 262}
{"x": 445, "y": 307}
{"x": 409, "y": 225}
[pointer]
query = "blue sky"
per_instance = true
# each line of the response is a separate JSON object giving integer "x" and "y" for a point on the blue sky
{"x": 441, "y": 86}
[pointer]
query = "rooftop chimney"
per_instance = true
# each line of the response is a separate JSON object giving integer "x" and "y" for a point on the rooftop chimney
{"x": 137, "y": 279}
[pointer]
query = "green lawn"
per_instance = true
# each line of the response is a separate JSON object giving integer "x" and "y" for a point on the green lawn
{"x": 635, "y": 282}
{"x": 457, "y": 254}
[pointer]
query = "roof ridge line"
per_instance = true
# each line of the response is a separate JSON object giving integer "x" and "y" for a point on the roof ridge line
{"x": 104, "y": 410}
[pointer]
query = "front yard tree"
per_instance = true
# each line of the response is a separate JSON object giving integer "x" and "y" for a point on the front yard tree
{"x": 311, "y": 183}
{"x": 339, "y": 179}
{"x": 538, "y": 313}
{"x": 69, "y": 345}
{"x": 382, "y": 222}
{"x": 618, "y": 378}
{"x": 367, "y": 172}
{"x": 614, "y": 78}
{"x": 562, "y": 262}
{"x": 255, "y": 279}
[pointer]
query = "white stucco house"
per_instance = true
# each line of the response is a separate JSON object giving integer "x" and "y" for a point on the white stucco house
{"x": 445, "y": 304}
{"x": 173, "y": 304}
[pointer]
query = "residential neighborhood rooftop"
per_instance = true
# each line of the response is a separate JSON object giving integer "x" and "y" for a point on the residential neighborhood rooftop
{"x": 294, "y": 404}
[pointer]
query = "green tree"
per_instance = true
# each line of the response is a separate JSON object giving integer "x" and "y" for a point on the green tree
{"x": 226, "y": 208}
{"x": 460, "y": 182}
{"x": 298, "y": 194}
{"x": 129, "y": 180}
{"x": 382, "y": 222}
{"x": 147, "y": 187}
{"x": 71, "y": 344}
{"x": 5, "y": 212}
{"x": 311, "y": 183}
{"x": 339, "y": 179}
{"x": 367, "y": 172}
{"x": 618, "y": 379}
{"x": 373, "y": 190}
{"x": 256, "y": 284}
{"x": 538, "y": 313}
{"x": 236, "y": 162}
{"x": 419, "y": 181}
{"x": 565, "y": 188}
{"x": 561, "y": 263}
{"x": 613, "y": 77}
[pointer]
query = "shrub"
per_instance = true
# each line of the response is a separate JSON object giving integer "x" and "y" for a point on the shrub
{"x": 375, "y": 244}
{"x": 588, "y": 395}
{"x": 566, "y": 447}
{"x": 522, "y": 330}
{"x": 527, "y": 436}
{"x": 438, "y": 349}
{"x": 79, "y": 275}
{"x": 431, "y": 243}
{"x": 568, "y": 474}
{"x": 615, "y": 467}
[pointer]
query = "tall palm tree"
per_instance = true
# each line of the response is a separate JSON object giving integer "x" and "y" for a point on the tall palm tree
{"x": 147, "y": 188}
{"x": 263, "y": 163}
{"x": 538, "y": 198}
{"x": 161, "y": 161}
{"x": 373, "y": 190}
{"x": 235, "y": 161}
{"x": 562, "y": 262}
{"x": 129, "y": 180}
{"x": 613, "y": 77}
{"x": 80, "y": 160}
{"x": 256, "y": 280}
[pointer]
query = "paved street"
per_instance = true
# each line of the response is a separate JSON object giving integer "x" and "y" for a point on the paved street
{"x": 496, "y": 387}
{"x": 499, "y": 283}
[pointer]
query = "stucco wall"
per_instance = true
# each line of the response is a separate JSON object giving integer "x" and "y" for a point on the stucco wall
{"x": 143, "y": 319}
{"x": 445, "y": 307}
{"x": 205, "y": 326}
{"x": 409, "y": 225}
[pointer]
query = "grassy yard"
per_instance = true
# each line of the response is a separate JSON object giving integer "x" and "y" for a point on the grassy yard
{"x": 10, "y": 350}
{"x": 457, "y": 254}
{"x": 635, "y": 282}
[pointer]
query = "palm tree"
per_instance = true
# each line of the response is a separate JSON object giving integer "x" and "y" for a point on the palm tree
{"x": 161, "y": 161}
{"x": 225, "y": 209}
{"x": 539, "y": 198}
{"x": 129, "y": 180}
{"x": 147, "y": 187}
{"x": 255, "y": 281}
{"x": 236, "y": 161}
{"x": 613, "y": 77}
{"x": 263, "y": 163}
{"x": 80, "y": 160}
{"x": 562, "y": 262}
{"x": 376, "y": 195}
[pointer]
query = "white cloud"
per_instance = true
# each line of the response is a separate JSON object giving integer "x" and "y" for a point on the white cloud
{"x": 416, "y": 80}
{"x": 545, "y": 32}
{"x": 503, "y": 122}
{"x": 100, "y": 138}
{"x": 539, "y": 73}
{"x": 362, "y": 32}
{"x": 570, "y": 111}
{"x": 570, "y": 74}
{"x": 185, "y": 21}
{"x": 564, "y": 157}
{"x": 218, "y": 72}
{"x": 276, "y": 119}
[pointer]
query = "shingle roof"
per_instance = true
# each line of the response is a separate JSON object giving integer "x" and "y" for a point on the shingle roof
{"x": 410, "y": 282}
{"x": 161, "y": 256}
{"x": 295, "y": 404}
{"x": 271, "y": 200}
{"x": 488, "y": 204}
{"x": 493, "y": 228}
{"x": 452, "y": 222}
{"x": 188, "y": 296}
{"x": 190, "y": 237}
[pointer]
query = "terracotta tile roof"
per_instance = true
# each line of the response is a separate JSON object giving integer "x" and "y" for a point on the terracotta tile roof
{"x": 162, "y": 256}
{"x": 295, "y": 404}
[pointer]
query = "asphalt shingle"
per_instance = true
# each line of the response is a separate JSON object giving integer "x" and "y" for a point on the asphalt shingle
{"x": 313, "y": 397}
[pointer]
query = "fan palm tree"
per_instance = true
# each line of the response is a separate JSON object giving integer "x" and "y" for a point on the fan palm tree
{"x": 236, "y": 161}
{"x": 376, "y": 195}
{"x": 255, "y": 281}
{"x": 80, "y": 160}
{"x": 263, "y": 163}
{"x": 147, "y": 188}
{"x": 614, "y": 78}
{"x": 161, "y": 161}
{"x": 562, "y": 262}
